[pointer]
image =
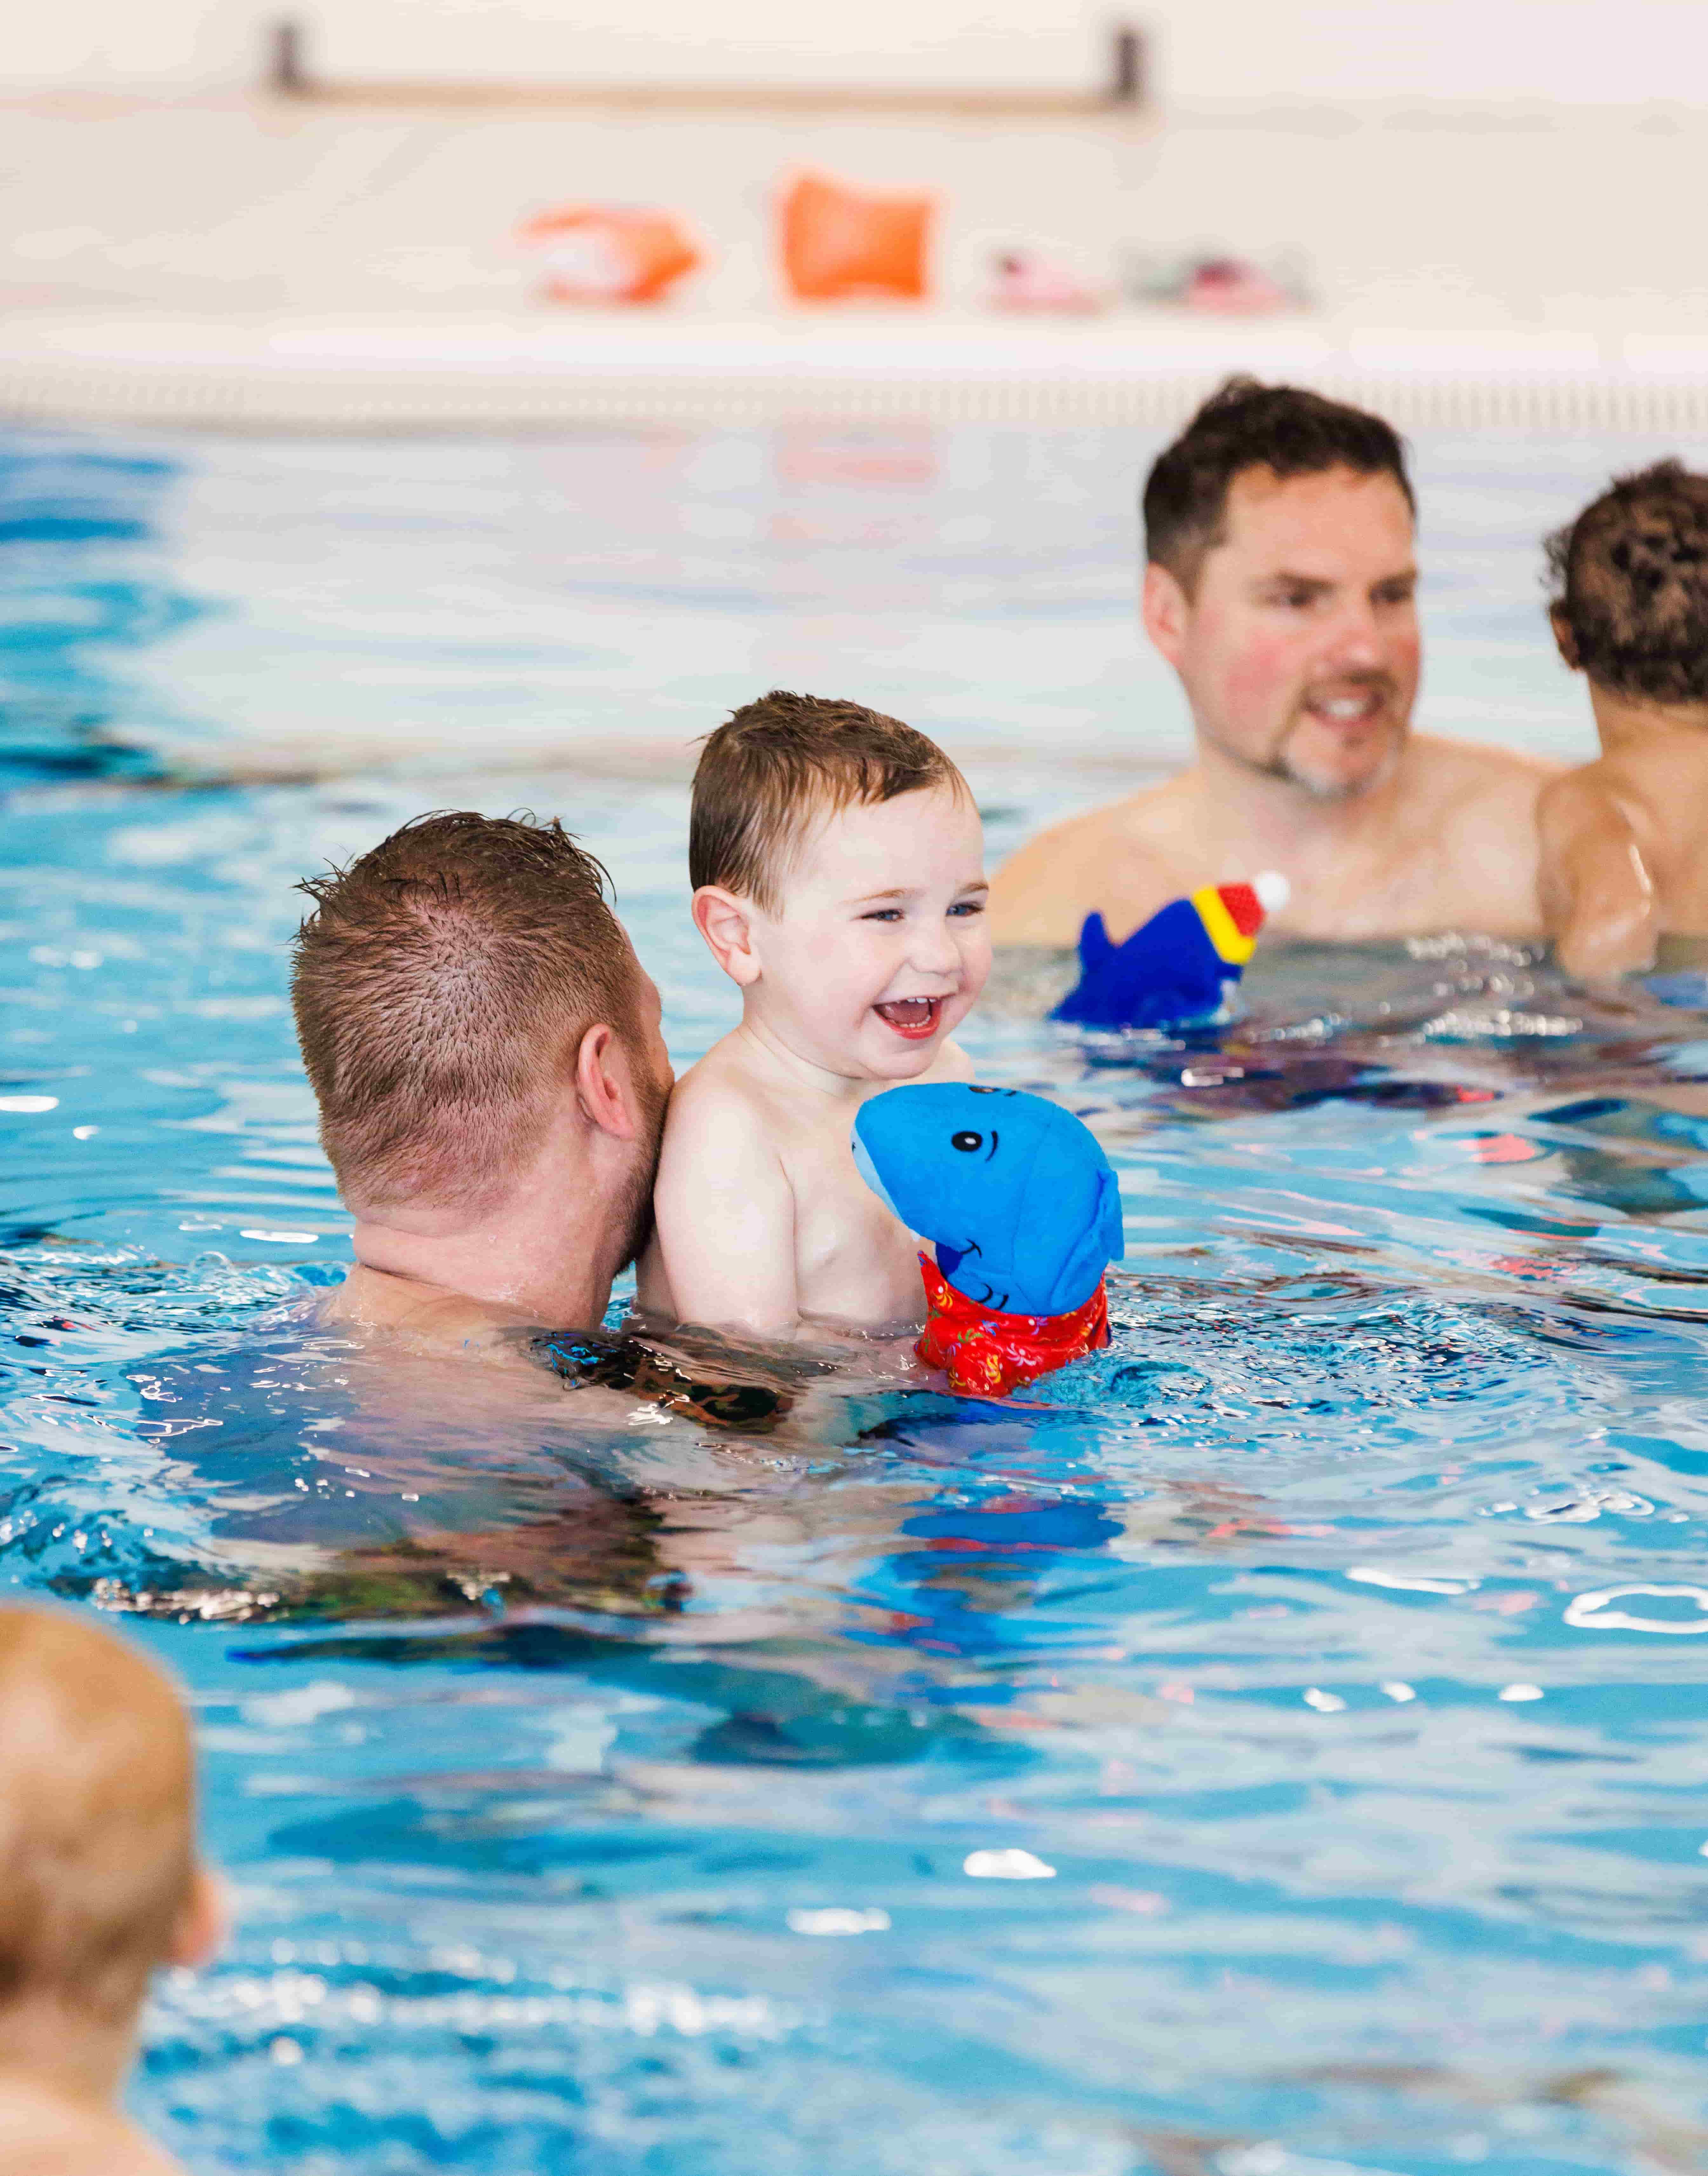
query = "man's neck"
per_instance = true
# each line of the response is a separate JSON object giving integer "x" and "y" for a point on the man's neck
{"x": 1276, "y": 819}
{"x": 543, "y": 1251}
{"x": 489, "y": 1277}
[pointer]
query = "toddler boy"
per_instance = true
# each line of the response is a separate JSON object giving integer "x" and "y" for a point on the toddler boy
{"x": 838, "y": 865}
{"x": 1623, "y": 863}
{"x": 100, "y": 1882}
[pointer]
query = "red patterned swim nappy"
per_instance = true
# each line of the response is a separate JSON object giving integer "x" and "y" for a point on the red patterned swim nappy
{"x": 985, "y": 1352}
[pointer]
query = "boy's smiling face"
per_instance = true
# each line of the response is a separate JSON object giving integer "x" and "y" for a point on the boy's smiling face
{"x": 880, "y": 944}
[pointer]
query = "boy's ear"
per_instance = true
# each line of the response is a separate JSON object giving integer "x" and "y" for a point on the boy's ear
{"x": 725, "y": 920}
{"x": 204, "y": 1925}
{"x": 1565, "y": 640}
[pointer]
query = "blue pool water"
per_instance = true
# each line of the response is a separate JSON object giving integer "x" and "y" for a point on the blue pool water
{"x": 1276, "y": 1748}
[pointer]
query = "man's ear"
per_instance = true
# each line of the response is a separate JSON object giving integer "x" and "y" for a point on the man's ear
{"x": 605, "y": 1084}
{"x": 725, "y": 921}
{"x": 1565, "y": 640}
{"x": 1165, "y": 608}
{"x": 205, "y": 1924}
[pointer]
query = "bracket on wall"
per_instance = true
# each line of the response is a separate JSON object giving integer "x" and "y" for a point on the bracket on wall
{"x": 286, "y": 76}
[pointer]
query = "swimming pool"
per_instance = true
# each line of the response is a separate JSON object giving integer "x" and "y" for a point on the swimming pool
{"x": 1276, "y": 1749}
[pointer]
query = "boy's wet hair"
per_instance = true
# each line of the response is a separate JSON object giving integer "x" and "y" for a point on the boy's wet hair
{"x": 1629, "y": 578}
{"x": 439, "y": 987}
{"x": 1244, "y": 425}
{"x": 97, "y": 1816}
{"x": 778, "y": 763}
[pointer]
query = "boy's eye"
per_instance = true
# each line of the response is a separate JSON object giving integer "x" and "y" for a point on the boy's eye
{"x": 882, "y": 914}
{"x": 967, "y": 906}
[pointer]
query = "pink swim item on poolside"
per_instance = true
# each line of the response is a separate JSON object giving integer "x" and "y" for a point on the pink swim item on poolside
{"x": 610, "y": 253}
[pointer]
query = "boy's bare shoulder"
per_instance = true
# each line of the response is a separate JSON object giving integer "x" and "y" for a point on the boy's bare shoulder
{"x": 722, "y": 1099}
{"x": 1588, "y": 792}
{"x": 40, "y": 2135}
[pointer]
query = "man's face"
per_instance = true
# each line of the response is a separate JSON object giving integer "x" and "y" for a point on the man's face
{"x": 1298, "y": 649}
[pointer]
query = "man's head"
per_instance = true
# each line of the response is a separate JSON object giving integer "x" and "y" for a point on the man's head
{"x": 99, "y": 1879}
{"x": 1280, "y": 585}
{"x": 1630, "y": 582}
{"x": 838, "y": 866}
{"x": 463, "y": 992}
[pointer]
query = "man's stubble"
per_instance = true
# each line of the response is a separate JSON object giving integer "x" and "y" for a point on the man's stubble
{"x": 1281, "y": 765}
{"x": 633, "y": 1217}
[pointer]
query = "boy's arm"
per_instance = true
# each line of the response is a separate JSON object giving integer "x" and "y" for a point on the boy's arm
{"x": 725, "y": 1215}
{"x": 1597, "y": 897}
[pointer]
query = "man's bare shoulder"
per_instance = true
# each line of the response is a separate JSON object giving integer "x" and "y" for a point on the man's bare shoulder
{"x": 1466, "y": 828}
{"x": 1465, "y": 774}
{"x": 1042, "y": 894}
{"x": 43, "y": 2135}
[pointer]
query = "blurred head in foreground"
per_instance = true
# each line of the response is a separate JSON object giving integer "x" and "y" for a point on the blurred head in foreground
{"x": 1630, "y": 587}
{"x": 1280, "y": 583}
{"x": 484, "y": 1049}
{"x": 100, "y": 1880}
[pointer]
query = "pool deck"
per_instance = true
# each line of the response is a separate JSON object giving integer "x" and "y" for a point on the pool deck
{"x": 259, "y": 262}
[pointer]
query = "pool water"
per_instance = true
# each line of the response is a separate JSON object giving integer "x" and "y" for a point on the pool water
{"x": 1276, "y": 1747}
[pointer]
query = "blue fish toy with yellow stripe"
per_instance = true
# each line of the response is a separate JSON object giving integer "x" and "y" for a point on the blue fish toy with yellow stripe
{"x": 1180, "y": 966}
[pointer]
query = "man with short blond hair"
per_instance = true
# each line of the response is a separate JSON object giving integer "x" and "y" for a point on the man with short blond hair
{"x": 484, "y": 1049}
{"x": 1280, "y": 585}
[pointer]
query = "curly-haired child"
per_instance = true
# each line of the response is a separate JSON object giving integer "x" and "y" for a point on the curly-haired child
{"x": 1623, "y": 864}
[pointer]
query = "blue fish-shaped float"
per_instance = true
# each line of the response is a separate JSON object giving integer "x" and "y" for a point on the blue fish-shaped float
{"x": 1017, "y": 1199}
{"x": 1179, "y": 967}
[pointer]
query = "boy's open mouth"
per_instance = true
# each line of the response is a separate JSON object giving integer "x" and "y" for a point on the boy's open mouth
{"x": 914, "y": 1017}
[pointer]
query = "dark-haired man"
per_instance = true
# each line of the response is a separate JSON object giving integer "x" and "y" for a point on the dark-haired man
{"x": 484, "y": 1049}
{"x": 1280, "y": 585}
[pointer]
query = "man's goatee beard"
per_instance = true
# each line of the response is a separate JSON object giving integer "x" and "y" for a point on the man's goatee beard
{"x": 1327, "y": 790}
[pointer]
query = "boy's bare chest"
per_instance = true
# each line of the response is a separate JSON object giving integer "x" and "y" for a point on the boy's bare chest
{"x": 852, "y": 1258}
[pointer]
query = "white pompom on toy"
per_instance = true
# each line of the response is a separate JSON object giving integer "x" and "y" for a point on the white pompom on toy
{"x": 1273, "y": 890}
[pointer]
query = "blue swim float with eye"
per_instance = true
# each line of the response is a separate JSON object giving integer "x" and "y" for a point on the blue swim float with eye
{"x": 1023, "y": 1210}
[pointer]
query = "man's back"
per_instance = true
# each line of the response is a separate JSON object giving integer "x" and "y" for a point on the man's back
{"x": 1448, "y": 842}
